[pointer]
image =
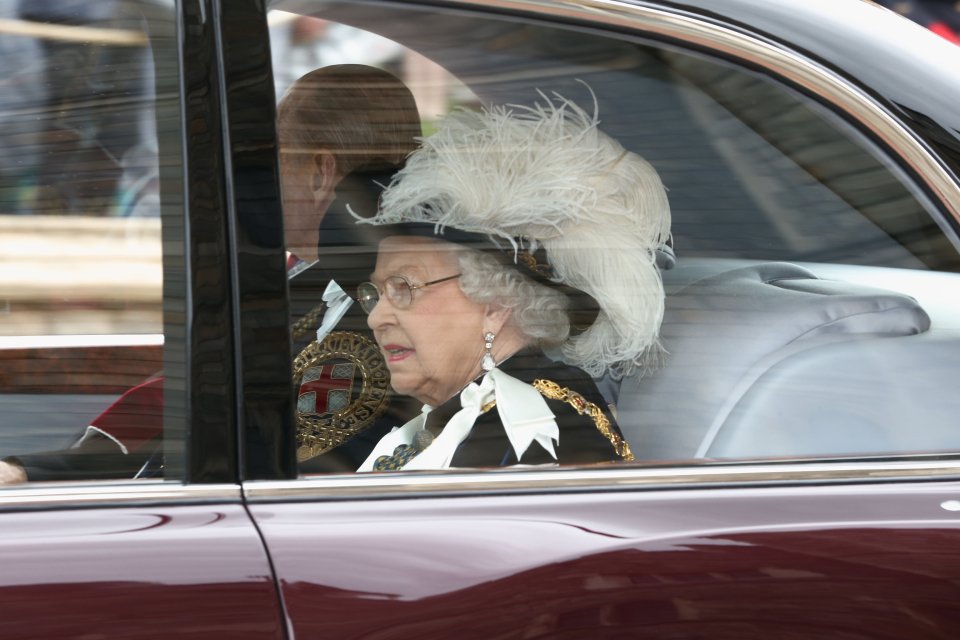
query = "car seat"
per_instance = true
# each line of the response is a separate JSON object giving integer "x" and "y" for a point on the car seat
{"x": 767, "y": 359}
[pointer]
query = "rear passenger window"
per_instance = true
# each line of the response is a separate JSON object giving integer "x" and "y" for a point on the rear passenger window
{"x": 82, "y": 255}
{"x": 809, "y": 287}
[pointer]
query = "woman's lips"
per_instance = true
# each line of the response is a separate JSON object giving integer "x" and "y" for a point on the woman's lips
{"x": 396, "y": 353}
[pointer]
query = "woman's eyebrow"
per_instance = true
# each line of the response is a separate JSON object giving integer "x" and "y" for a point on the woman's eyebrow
{"x": 410, "y": 271}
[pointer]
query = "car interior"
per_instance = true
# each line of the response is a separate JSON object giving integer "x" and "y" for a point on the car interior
{"x": 770, "y": 359}
{"x": 804, "y": 313}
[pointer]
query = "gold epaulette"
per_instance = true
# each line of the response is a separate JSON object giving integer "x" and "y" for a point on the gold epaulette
{"x": 308, "y": 323}
{"x": 554, "y": 391}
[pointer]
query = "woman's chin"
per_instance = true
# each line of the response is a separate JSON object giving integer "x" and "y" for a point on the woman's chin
{"x": 401, "y": 386}
{"x": 417, "y": 390}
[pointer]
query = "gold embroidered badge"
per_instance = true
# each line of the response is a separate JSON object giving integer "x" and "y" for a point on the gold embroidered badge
{"x": 342, "y": 388}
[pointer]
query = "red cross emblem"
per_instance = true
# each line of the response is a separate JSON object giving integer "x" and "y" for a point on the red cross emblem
{"x": 326, "y": 388}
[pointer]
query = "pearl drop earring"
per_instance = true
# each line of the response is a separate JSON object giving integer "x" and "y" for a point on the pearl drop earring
{"x": 488, "y": 363}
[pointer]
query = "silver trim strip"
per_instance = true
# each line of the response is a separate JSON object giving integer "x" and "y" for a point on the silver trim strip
{"x": 50, "y": 495}
{"x": 616, "y": 478}
{"x": 69, "y": 33}
{"x": 805, "y": 73}
{"x": 81, "y": 341}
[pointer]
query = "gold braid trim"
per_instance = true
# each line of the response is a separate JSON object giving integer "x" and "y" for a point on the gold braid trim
{"x": 307, "y": 323}
{"x": 554, "y": 391}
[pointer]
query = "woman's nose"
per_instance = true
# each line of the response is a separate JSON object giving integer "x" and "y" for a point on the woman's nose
{"x": 381, "y": 314}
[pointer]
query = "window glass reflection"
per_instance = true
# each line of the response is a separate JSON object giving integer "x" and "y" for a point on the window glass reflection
{"x": 788, "y": 232}
{"x": 82, "y": 267}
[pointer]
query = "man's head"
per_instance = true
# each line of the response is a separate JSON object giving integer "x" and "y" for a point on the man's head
{"x": 332, "y": 122}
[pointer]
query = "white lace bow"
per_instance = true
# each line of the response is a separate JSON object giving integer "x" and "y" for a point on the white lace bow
{"x": 524, "y": 413}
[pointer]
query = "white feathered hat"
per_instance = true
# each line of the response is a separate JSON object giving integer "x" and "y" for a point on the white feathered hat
{"x": 546, "y": 179}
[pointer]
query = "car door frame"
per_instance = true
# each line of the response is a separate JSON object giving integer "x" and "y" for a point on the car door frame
{"x": 303, "y": 518}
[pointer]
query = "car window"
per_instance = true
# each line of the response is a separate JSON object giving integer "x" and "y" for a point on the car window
{"x": 83, "y": 332}
{"x": 805, "y": 273}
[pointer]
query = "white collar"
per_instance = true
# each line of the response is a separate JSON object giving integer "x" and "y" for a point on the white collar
{"x": 524, "y": 413}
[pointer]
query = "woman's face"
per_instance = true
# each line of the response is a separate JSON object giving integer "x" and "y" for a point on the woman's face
{"x": 433, "y": 348}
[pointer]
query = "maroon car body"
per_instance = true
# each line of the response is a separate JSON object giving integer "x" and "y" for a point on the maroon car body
{"x": 137, "y": 572}
{"x": 767, "y": 562}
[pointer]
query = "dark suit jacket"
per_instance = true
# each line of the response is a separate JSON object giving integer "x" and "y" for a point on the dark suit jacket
{"x": 581, "y": 441}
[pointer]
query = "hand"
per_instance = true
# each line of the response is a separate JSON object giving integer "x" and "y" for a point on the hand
{"x": 11, "y": 473}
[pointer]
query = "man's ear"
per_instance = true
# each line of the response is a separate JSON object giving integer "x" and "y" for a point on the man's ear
{"x": 325, "y": 174}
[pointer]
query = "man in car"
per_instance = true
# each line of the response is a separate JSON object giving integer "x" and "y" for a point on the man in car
{"x": 342, "y": 131}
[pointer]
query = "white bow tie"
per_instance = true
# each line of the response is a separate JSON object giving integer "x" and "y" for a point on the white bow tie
{"x": 338, "y": 302}
{"x": 524, "y": 413}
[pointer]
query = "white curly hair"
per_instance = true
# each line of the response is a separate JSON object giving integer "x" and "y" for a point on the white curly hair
{"x": 538, "y": 311}
{"x": 545, "y": 175}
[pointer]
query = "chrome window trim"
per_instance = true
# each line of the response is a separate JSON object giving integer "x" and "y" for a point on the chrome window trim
{"x": 407, "y": 484}
{"x": 113, "y": 494}
{"x": 805, "y": 73}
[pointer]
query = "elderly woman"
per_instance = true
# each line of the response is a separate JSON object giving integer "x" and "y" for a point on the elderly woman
{"x": 509, "y": 235}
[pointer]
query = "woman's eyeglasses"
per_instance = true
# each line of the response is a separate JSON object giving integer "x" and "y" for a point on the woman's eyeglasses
{"x": 397, "y": 289}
